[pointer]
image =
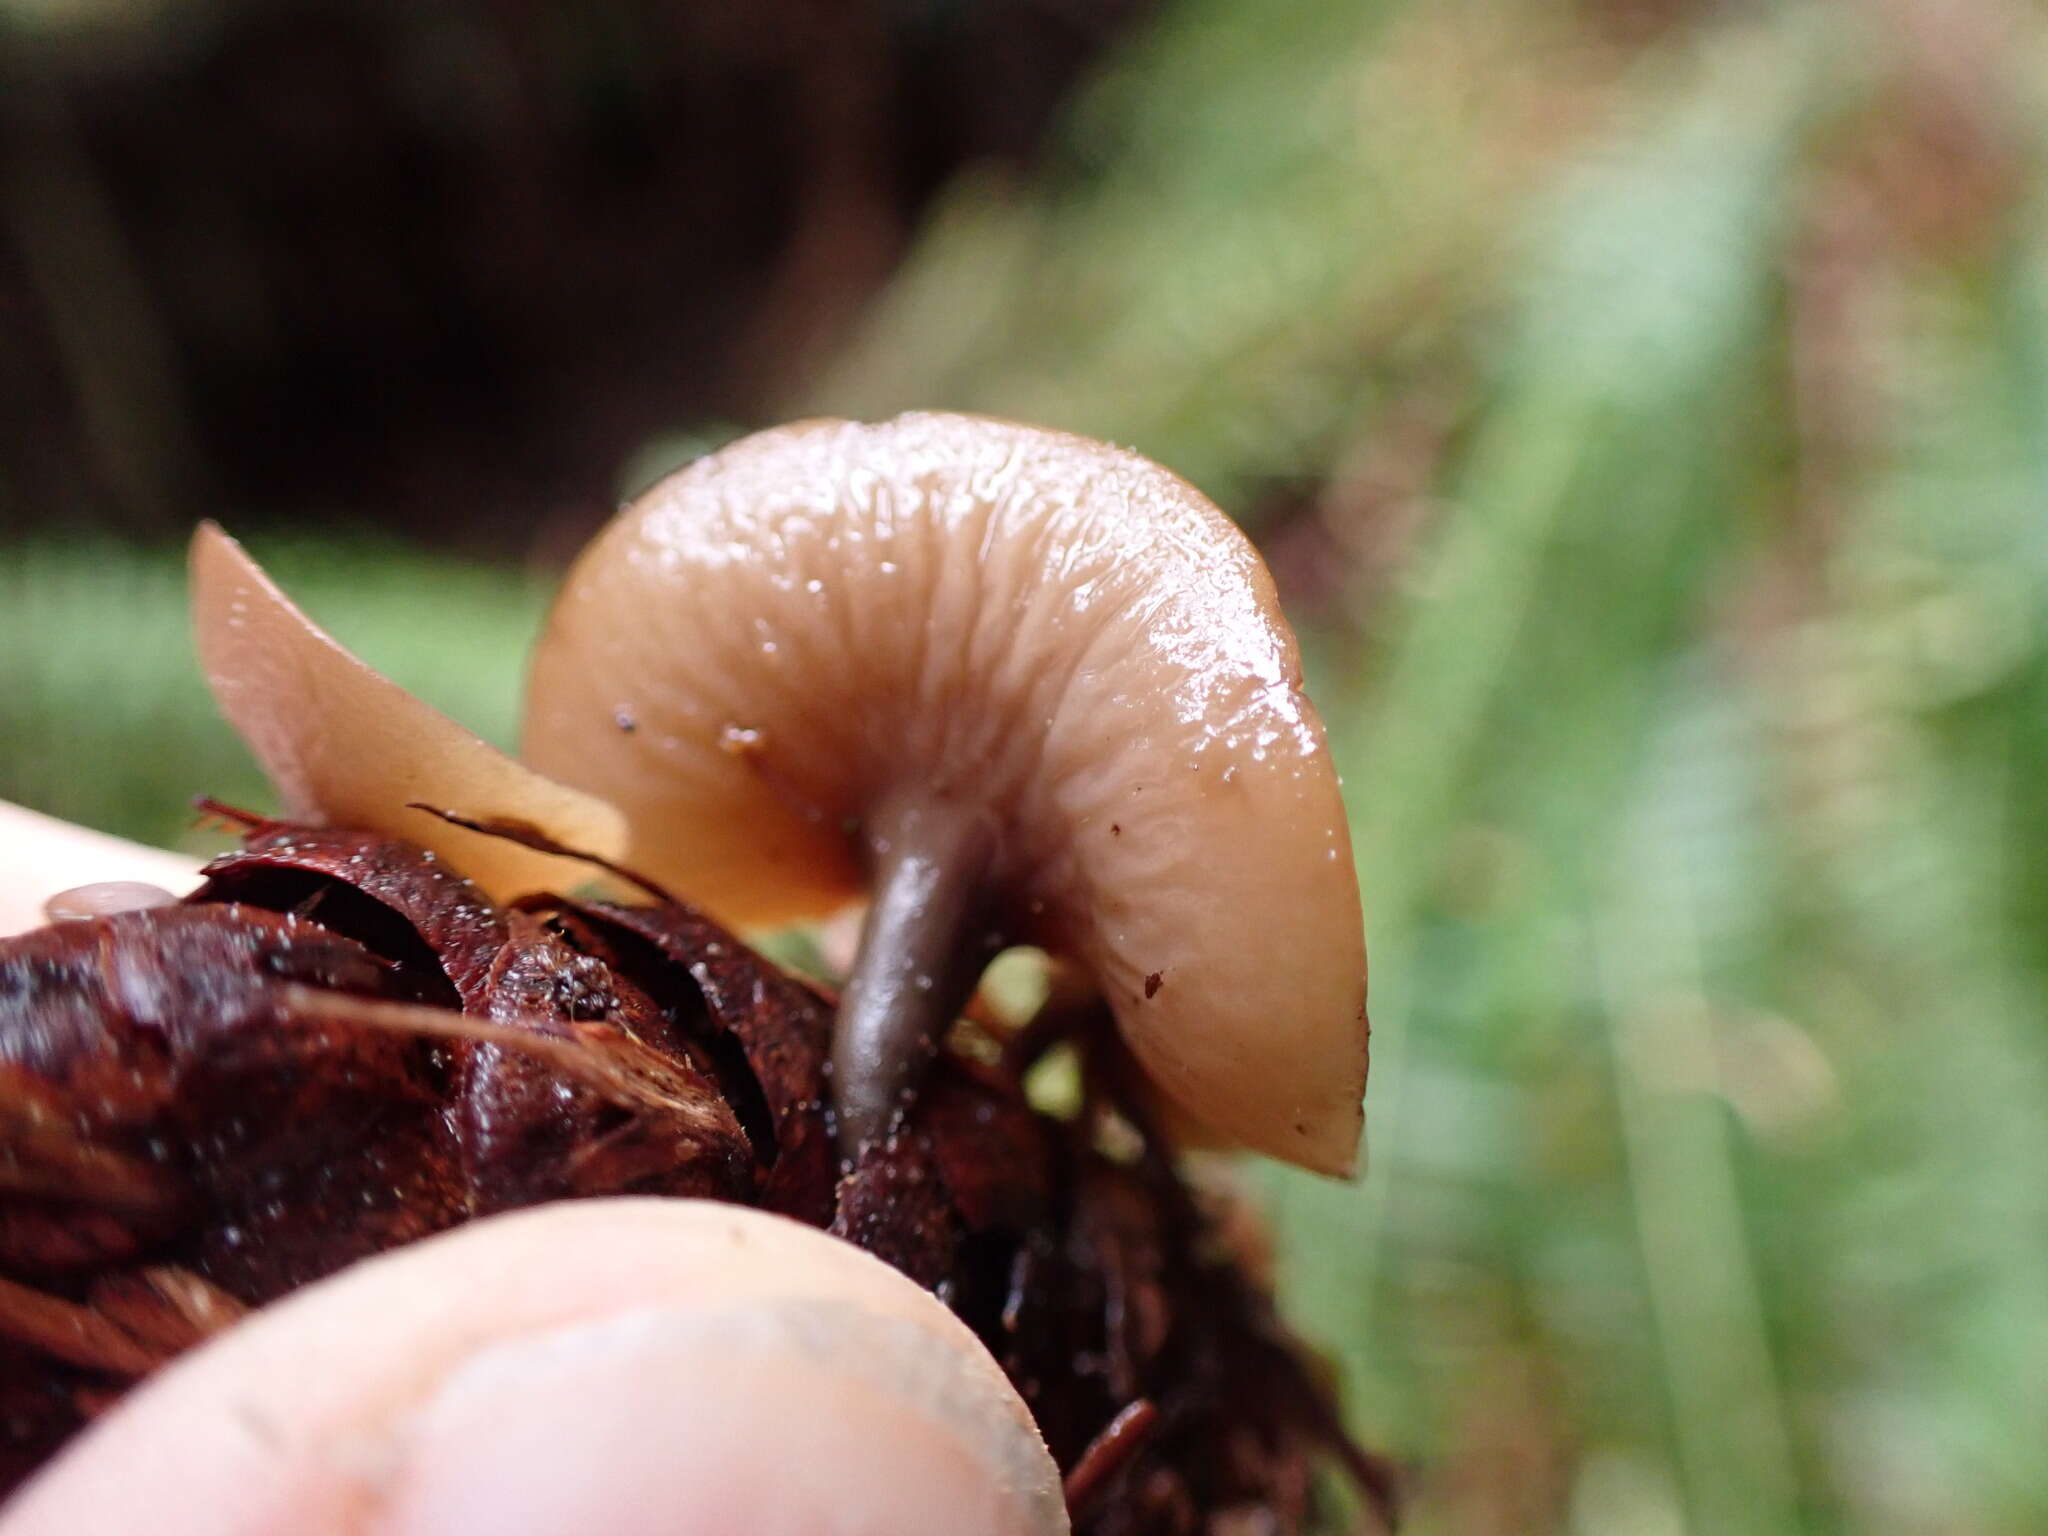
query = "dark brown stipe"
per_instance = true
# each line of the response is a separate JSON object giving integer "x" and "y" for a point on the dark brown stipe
{"x": 917, "y": 965}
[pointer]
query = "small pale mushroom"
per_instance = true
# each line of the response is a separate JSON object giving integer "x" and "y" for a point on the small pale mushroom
{"x": 1018, "y": 687}
{"x": 105, "y": 898}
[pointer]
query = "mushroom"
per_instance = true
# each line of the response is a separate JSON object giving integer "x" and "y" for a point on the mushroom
{"x": 343, "y": 744}
{"x": 1021, "y": 687}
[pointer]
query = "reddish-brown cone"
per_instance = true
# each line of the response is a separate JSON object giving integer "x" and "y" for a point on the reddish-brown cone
{"x": 411, "y": 1041}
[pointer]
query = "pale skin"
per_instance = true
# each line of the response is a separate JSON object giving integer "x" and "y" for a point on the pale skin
{"x": 607, "y": 1365}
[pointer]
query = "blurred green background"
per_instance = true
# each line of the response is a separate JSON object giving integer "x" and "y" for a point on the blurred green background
{"x": 1645, "y": 410}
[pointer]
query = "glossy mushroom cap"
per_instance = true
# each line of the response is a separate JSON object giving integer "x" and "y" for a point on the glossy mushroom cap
{"x": 345, "y": 745}
{"x": 834, "y": 642}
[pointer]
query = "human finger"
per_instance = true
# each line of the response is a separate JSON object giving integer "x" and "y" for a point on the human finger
{"x": 632, "y": 1366}
{"x": 44, "y": 856}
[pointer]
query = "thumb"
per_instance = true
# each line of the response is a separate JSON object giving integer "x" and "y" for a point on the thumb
{"x": 632, "y": 1366}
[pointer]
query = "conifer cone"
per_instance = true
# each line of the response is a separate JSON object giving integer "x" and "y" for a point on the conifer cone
{"x": 338, "y": 1045}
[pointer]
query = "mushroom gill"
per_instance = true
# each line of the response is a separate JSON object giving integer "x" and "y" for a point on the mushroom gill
{"x": 1018, "y": 686}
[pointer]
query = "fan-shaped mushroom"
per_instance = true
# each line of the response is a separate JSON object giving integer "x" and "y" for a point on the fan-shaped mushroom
{"x": 1024, "y": 686}
{"x": 344, "y": 744}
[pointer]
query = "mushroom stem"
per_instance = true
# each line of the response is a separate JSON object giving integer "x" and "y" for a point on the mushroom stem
{"x": 922, "y": 949}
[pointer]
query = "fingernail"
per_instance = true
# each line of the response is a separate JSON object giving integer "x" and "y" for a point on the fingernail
{"x": 793, "y": 1415}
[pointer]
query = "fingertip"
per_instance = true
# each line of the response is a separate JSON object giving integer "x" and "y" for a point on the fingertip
{"x": 799, "y": 1415}
{"x": 630, "y": 1366}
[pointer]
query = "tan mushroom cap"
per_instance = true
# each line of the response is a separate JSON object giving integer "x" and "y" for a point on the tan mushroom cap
{"x": 345, "y": 745}
{"x": 773, "y": 657}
